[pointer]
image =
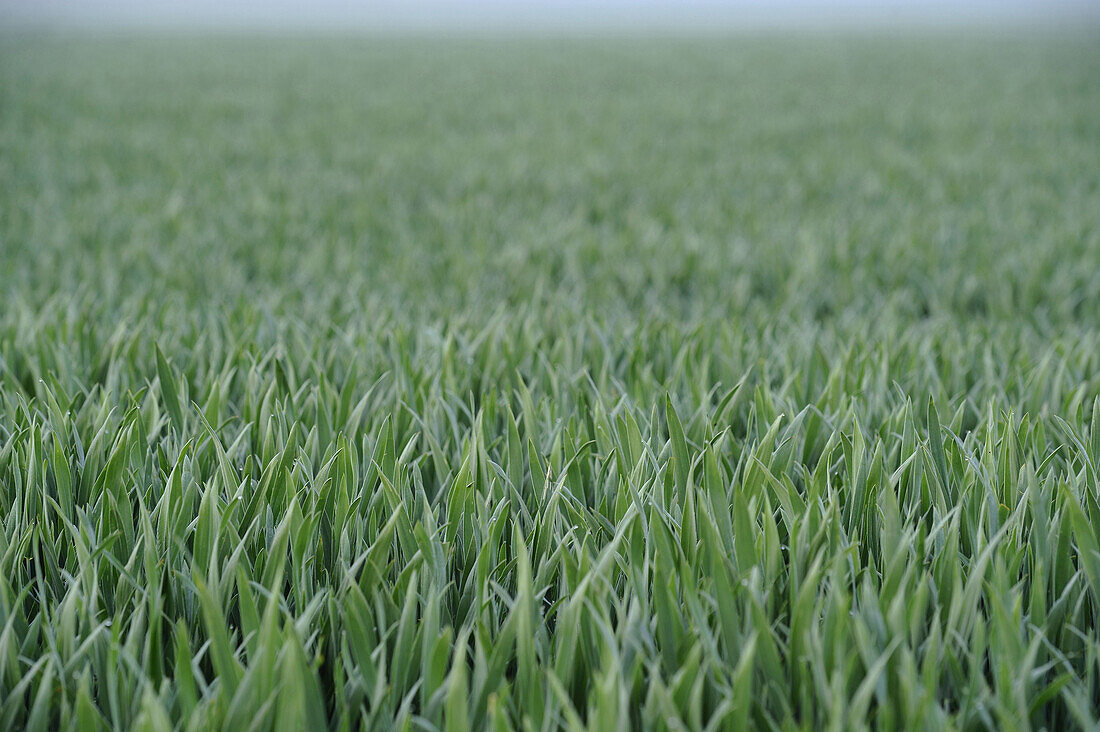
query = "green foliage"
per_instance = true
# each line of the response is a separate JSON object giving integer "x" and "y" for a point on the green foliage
{"x": 665, "y": 385}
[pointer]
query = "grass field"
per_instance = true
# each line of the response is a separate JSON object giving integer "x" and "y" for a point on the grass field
{"x": 550, "y": 384}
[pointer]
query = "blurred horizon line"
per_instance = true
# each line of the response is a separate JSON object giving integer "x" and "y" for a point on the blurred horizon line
{"x": 571, "y": 17}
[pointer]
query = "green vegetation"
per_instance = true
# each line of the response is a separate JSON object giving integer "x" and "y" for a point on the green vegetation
{"x": 546, "y": 384}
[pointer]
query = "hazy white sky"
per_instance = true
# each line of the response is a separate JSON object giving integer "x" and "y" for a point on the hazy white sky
{"x": 511, "y": 14}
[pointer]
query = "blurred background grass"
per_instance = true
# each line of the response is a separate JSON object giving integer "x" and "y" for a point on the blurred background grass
{"x": 760, "y": 177}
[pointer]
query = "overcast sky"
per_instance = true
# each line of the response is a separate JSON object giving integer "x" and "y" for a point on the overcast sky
{"x": 535, "y": 14}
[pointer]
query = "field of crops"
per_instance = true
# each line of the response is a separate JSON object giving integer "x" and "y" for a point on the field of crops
{"x": 533, "y": 384}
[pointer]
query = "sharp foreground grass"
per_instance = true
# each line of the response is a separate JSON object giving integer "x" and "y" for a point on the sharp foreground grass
{"x": 629, "y": 384}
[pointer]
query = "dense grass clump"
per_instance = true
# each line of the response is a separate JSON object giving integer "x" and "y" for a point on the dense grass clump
{"x": 630, "y": 384}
